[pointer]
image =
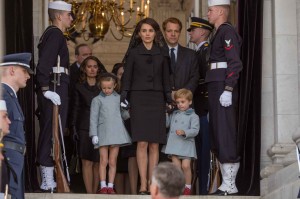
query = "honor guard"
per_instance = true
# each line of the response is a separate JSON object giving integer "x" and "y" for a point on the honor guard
{"x": 15, "y": 72}
{"x": 53, "y": 50}
{"x": 199, "y": 32}
{"x": 222, "y": 76}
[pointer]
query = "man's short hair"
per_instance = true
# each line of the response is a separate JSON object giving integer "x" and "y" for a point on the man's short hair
{"x": 169, "y": 179}
{"x": 172, "y": 20}
{"x": 79, "y": 46}
{"x": 52, "y": 13}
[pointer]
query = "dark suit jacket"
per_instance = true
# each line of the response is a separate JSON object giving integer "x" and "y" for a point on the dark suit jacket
{"x": 186, "y": 73}
{"x": 146, "y": 70}
{"x": 15, "y": 114}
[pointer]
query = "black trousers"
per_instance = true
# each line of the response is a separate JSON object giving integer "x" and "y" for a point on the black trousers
{"x": 44, "y": 156}
{"x": 222, "y": 124}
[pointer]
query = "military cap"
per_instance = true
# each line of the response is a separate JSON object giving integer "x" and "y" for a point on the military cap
{"x": 218, "y": 2}
{"x": 3, "y": 105}
{"x": 200, "y": 23}
{"x": 18, "y": 59}
{"x": 60, "y": 5}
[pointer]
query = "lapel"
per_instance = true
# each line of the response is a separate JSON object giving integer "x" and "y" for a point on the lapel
{"x": 180, "y": 58}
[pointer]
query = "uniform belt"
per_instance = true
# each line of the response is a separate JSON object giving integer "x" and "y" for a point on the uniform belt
{"x": 60, "y": 70}
{"x": 15, "y": 146}
{"x": 218, "y": 65}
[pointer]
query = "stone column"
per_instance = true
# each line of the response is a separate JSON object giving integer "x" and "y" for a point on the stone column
{"x": 280, "y": 79}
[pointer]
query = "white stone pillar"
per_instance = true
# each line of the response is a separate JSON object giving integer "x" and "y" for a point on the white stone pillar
{"x": 280, "y": 79}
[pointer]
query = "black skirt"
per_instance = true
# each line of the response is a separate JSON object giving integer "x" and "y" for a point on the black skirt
{"x": 86, "y": 147}
{"x": 148, "y": 118}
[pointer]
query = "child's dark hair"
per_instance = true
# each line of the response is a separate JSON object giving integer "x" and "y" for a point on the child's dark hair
{"x": 109, "y": 77}
{"x": 184, "y": 93}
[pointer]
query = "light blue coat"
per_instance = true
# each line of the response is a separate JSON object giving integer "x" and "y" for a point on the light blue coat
{"x": 106, "y": 121}
{"x": 188, "y": 121}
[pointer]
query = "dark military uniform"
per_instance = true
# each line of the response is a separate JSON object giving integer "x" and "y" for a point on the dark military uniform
{"x": 52, "y": 44}
{"x": 14, "y": 143}
{"x": 201, "y": 108}
{"x": 225, "y": 65}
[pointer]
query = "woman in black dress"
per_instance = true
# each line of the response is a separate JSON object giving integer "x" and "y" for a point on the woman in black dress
{"x": 145, "y": 83}
{"x": 85, "y": 91}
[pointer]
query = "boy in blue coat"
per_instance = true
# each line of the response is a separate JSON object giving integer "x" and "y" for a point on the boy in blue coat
{"x": 184, "y": 127}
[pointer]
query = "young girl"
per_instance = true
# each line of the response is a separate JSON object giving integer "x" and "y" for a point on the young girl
{"x": 184, "y": 126}
{"x": 107, "y": 130}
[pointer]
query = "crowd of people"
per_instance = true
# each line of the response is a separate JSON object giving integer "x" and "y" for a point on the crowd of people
{"x": 162, "y": 99}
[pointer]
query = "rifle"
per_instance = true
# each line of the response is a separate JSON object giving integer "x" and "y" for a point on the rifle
{"x": 214, "y": 174}
{"x": 62, "y": 185}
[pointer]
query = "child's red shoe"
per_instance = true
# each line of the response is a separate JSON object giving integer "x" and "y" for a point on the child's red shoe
{"x": 187, "y": 191}
{"x": 102, "y": 190}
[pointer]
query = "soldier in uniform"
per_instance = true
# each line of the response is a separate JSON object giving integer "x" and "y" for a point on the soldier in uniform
{"x": 15, "y": 72}
{"x": 184, "y": 67}
{"x": 199, "y": 32}
{"x": 53, "y": 50}
{"x": 222, "y": 76}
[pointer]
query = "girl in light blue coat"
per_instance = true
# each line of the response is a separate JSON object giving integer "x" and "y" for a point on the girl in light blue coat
{"x": 184, "y": 126}
{"x": 107, "y": 130}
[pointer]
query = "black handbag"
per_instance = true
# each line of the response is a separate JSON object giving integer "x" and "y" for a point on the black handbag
{"x": 75, "y": 164}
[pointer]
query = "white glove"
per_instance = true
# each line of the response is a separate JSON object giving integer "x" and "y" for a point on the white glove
{"x": 124, "y": 104}
{"x": 95, "y": 140}
{"x": 226, "y": 98}
{"x": 53, "y": 96}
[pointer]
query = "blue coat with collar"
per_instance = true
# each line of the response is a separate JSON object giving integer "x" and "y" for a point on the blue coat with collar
{"x": 183, "y": 146}
{"x": 15, "y": 114}
{"x": 17, "y": 135}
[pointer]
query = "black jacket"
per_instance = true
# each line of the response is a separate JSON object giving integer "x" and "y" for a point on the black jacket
{"x": 186, "y": 73}
{"x": 201, "y": 95}
{"x": 82, "y": 99}
{"x": 146, "y": 70}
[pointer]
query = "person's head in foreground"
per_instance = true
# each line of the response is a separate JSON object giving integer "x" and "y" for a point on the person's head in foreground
{"x": 167, "y": 181}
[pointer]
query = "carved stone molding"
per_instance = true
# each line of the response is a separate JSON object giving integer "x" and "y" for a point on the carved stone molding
{"x": 269, "y": 170}
{"x": 282, "y": 155}
{"x": 279, "y": 150}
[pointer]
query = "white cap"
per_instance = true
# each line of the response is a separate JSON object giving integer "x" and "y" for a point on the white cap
{"x": 60, "y": 5}
{"x": 2, "y": 105}
{"x": 218, "y": 2}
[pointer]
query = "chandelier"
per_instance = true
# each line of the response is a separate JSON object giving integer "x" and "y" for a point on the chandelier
{"x": 94, "y": 18}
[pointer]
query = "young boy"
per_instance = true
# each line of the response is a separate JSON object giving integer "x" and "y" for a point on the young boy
{"x": 184, "y": 127}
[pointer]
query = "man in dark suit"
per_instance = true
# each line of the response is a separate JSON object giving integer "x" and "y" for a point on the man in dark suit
{"x": 15, "y": 72}
{"x": 82, "y": 51}
{"x": 184, "y": 67}
{"x": 199, "y": 31}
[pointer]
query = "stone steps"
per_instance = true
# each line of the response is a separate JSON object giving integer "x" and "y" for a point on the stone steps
{"x": 94, "y": 196}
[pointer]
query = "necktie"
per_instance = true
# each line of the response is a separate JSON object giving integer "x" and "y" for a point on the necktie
{"x": 173, "y": 59}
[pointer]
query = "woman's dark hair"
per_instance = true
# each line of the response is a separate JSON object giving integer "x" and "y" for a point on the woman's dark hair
{"x": 101, "y": 68}
{"x": 116, "y": 67}
{"x": 136, "y": 39}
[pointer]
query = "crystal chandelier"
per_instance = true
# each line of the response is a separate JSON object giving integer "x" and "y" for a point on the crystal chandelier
{"x": 94, "y": 18}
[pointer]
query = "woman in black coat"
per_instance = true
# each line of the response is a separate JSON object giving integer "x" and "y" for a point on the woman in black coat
{"x": 145, "y": 83}
{"x": 85, "y": 90}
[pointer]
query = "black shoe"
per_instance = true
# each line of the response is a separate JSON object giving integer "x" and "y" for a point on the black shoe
{"x": 223, "y": 193}
{"x": 144, "y": 193}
